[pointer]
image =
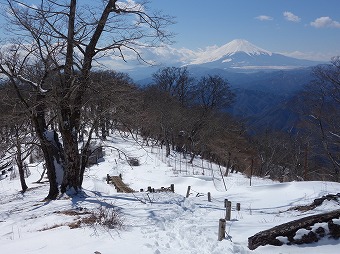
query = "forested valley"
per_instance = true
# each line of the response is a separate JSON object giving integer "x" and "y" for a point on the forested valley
{"x": 54, "y": 103}
{"x": 185, "y": 115}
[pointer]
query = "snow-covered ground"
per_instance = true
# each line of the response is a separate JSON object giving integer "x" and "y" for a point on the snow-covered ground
{"x": 156, "y": 222}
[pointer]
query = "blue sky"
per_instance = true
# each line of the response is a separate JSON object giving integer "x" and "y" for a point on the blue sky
{"x": 310, "y": 27}
{"x": 300, "y": 28}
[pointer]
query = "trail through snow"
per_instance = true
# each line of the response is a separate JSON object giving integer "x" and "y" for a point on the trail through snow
{"x": 156, "y": 223}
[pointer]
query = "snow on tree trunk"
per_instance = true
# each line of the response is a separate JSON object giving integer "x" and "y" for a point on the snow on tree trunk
{"x": 72, "y": 172}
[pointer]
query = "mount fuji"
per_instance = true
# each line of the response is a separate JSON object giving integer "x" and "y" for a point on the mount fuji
{"x": 263, "y": 82}
{"x": 241, "y": 55}
{"x": 237, "y": 56}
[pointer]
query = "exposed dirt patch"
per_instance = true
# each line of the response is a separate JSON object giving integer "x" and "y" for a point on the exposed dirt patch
{"x": 73, "y": 212}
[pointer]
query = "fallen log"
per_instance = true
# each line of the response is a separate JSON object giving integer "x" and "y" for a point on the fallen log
{"x": 317, "y": 202}
{"x": 288, "y": 229}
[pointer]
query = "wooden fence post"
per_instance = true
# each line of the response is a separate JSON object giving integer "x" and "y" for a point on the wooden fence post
{"x": 107, "y": 178}
{"x": 180, "y": 164}
{"x": 228, "y": 211}
{"x": 238, "y": 207}
{"x": 209, "y": 197}
{"x": 225, "y": 203}
{"x": 221, "y": 229}
{"x": 172, "y": 187}
{"x": 188, "y": 192}
{"x": 251, "y": 170}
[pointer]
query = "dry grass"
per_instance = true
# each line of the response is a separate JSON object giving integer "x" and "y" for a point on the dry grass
{"x": 51, "y": 227}
{"x": 109, "y": 217}
{"x": 73, "y": 212}
{"x": 106, "y": 216}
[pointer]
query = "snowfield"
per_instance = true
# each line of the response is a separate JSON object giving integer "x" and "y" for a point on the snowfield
{"x": 156, "y": 223}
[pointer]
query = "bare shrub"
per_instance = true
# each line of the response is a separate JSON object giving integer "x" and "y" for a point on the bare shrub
{"x": 108, "y": 217}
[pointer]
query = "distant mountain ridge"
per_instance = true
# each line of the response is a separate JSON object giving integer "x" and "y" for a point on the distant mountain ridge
{"x": 243, "y": 56}
{"x": 264, "y": 82}
{"x": 239, "y": 56}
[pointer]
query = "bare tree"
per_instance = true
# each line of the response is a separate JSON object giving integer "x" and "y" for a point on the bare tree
{"x": 110, "y": 102}
{"x": 188, "y": 115}
{"x": 15, "y": 125}
{"x": 322, "y": 98}
{"x": 214, "y": 93}
{"x": 177, "y": 82}
{"x": 19, "y": 63}
{"x": 66, "y": 38}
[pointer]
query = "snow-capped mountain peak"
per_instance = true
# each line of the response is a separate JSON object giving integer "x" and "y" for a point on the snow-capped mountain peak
{"x": 229, "y": 49}
{"x": 238, "y": 55}
{"x": 245, "y": 46}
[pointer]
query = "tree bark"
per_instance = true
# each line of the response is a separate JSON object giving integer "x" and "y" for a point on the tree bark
{"x": 50, "y": 146}
{"x": 51, "y": 155}
{"x": 71, "y": 105}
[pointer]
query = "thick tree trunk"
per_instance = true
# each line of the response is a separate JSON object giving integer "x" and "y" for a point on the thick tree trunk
{"x": 50, "y": 146}
{"x": 68, "y": 123}
{"x": 72, "y": 161}
{"x": 71, "y": 104}
{"x": 50, "y": 157}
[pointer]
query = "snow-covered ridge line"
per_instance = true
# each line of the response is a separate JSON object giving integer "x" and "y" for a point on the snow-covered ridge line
{"x": 245, "y": 46}
{"x": 229, "y": 49}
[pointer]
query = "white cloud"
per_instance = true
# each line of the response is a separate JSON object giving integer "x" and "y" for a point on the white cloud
{"x": 291, "y": 17}
{"x": 130, "y": 5}
{"x": 315, "y": 56}
{"x": 325, "y": 22}
{"x": 164, "y": 55}
{"x": 264, "y": 18}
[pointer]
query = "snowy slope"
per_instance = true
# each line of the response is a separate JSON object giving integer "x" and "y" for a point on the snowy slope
{"x": 156, "y": 222}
